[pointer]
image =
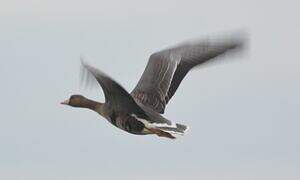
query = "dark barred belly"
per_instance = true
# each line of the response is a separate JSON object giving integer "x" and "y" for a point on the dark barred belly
{"x": 127, "y": 123}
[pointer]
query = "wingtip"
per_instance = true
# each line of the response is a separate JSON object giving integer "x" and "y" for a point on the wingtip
{"x": 86, "y": 65}
{"x": 82, "y": 60}
{"x": 239, "y": 39}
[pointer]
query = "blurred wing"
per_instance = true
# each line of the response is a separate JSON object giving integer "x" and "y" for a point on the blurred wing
{"x": 115, "y": 95}
{"x": 166, "y": 69}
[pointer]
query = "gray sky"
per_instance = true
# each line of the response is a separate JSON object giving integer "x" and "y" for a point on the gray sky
{"x": 243, "y": 116}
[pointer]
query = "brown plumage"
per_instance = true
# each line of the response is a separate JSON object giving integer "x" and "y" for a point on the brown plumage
{"x": 139, "y": 112}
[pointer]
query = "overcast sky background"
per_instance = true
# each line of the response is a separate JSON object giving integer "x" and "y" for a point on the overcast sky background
{"x": 243, "y": 116}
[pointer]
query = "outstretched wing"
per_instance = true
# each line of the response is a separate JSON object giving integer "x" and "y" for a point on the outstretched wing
{"x": 166, "y": 69}
{"x": 115, "y": 95}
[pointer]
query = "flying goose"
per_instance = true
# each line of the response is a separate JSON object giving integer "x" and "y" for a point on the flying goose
{"x": 139, "y": 112}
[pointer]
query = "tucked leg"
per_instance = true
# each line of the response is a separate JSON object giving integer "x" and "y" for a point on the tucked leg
{"x": 161, "y": 133}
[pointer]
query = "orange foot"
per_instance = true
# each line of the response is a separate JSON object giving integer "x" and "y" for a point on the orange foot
{"x": 161, "y": 133}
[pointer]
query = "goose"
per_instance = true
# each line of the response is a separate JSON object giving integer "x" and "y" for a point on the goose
{"x": 140, "y": 112}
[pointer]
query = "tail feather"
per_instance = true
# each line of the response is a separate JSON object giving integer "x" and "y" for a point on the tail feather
{"x": 164, "y": 129}
{"x": 178, "y": 130}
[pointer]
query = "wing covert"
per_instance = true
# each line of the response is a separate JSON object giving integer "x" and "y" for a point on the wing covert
{"x": 167, "y": 68}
